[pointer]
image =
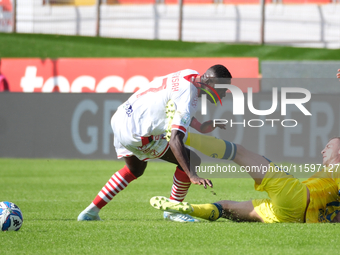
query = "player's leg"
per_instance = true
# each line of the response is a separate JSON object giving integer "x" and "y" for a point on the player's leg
{"x": 218, "y": 148}
{"x": 133, "y": 169}
{"x": 232, "y": 210}
{"x": 181, "y": 184}
{"x": 239, "y": 211}
{"x": 288, "y": 201}
{"x": 248, "y": 158}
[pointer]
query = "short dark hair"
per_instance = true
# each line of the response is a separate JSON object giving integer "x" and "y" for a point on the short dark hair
{"x": 220, "y": 71}
{"x": 215, "y": 74}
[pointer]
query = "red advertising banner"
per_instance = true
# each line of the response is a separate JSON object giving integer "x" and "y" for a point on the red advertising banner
{"x": 101, "y": 75}
{"x": 6, "y": 5}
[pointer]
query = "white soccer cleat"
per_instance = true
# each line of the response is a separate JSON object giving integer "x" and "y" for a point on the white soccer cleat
{"x": 179, "y": 217}
{"x": 87, "y": 216}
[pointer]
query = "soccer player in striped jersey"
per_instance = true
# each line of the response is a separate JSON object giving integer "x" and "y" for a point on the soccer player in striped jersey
{"x": 311, "y": 201}
{"x": 140, "y": 126}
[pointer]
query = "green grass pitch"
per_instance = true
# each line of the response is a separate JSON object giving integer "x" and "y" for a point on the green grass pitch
{"x": 58, "y": 46}
{"x": 51, "y": 194}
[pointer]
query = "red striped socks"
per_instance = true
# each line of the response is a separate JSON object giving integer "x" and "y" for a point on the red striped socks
{"x": 117, "y": 183}
{"x": 180, "y": 186}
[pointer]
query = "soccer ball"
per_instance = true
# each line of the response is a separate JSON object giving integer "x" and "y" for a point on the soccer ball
{"x": 10, "y": 217}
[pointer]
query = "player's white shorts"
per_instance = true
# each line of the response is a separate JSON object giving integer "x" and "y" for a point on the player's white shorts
{"x": 152, "y": 150}
{"x": 127, "y": 144}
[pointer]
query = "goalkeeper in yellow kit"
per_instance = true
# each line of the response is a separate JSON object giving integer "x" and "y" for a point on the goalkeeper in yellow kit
{"x": 290, "y": 200}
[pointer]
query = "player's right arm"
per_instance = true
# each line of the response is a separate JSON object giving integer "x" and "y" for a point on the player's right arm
{"x": 180, "y": 153}
{"x": 338, "y": 74}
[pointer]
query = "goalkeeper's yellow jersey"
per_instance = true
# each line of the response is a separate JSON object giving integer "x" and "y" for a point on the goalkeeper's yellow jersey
{"x": 324, "y": 195}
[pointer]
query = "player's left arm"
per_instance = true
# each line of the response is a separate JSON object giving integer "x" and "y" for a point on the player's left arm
{"x": 338, "y": 74}
{"x": 205, "y": 127}
{"x": 178, "y": 149}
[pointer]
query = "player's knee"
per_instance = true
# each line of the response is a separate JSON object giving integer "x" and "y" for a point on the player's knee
{"x": 136, "y": 167}
{"x": 138, "y": 170}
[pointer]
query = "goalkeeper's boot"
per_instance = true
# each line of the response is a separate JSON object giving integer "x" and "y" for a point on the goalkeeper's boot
{"x": 87, "y": 216}
{"x": 174, "y": 211}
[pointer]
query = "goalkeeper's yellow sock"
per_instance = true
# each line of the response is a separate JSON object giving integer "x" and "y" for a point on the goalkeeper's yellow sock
{"x": 212, "y": 146}
{"x": 207, "y": 211}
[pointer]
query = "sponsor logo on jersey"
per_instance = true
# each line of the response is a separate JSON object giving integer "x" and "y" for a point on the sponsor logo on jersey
{"x": 185, "y": 119}
{"x": 128, "y": 109}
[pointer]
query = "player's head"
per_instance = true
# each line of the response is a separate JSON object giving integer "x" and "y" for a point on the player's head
{"x": 331, "y": 152}
{"x": 217, "y": 74}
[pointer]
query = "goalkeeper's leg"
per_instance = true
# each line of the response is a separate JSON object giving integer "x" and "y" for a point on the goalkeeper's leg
{"x": 222, "y": 149}
{"x": 232, "y": 210}
{"x": 212, "y": 146}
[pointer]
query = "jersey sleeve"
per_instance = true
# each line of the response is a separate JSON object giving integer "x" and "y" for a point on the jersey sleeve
{"x": 185, "y": 99}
